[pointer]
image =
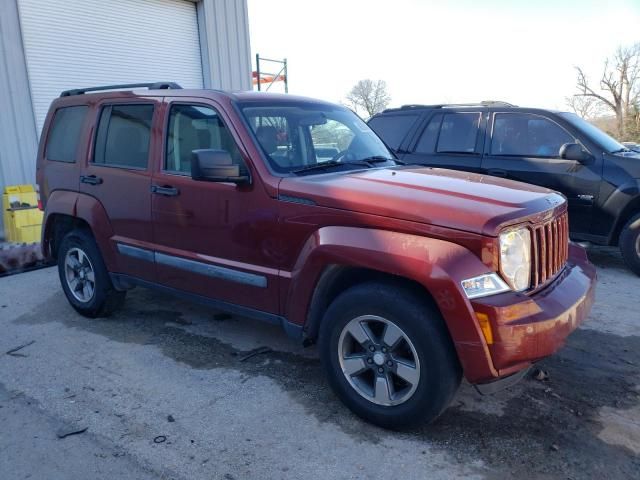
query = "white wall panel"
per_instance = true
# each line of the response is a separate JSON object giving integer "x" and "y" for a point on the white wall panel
{"x": 78, "y": 43}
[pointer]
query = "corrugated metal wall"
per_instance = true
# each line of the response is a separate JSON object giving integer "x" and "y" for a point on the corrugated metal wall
{"x": 226, "y": 62}
{"x": 18, "y": 139}
{"x": 224, "y": 39}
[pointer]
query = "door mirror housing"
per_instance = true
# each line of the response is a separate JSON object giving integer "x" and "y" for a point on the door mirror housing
{"x": 575, "y": 151}
{"x": 212, "y": 165}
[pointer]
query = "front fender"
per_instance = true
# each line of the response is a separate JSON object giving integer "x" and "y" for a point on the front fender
{"x": 616, "y": 206}
{"x": 439, "y": 266}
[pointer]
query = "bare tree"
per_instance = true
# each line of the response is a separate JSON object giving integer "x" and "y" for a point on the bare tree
{"x": 619, "y": 86}
{"x": 370, "y": 96}
{"x": 586, "y": 107}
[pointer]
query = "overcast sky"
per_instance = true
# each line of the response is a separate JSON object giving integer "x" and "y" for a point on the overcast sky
{"x": 431, "y": 51}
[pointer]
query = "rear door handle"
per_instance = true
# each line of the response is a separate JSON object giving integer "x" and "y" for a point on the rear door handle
{"x": 497, "y": 172}
{"x": 90, "y": 179}
{"x": 166, "y": 190}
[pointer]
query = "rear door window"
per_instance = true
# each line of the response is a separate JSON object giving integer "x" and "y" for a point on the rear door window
{"x": 392, "y": 129}
{"x": 527, "y": 135}
{"x": 123, "y": 136}
{"x": 459, "y": 133}
{"x": 64, "y": 134}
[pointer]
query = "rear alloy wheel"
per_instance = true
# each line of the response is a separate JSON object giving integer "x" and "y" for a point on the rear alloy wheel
{"x": 84, "y": 276}
{"x": 630, "y": 244}
{"x": 81, "y": 279}
{"x": 388, "y": 355}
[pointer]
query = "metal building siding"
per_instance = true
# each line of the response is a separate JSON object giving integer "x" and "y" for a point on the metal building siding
{"x": 224, "y": 32}
{"x": 18, "y": 141}
{"x": 76, "y": 43}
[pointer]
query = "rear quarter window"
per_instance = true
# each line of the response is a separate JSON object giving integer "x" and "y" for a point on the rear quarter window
{"x": 64, "y": 134}
{"x": 392, "y": 129}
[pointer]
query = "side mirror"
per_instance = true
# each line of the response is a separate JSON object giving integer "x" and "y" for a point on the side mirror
{"x": 211, "y": 165}
{"x": 575, "y": 151}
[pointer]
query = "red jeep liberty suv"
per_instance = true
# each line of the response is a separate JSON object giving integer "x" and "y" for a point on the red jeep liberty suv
{"x": 293, "y": 211}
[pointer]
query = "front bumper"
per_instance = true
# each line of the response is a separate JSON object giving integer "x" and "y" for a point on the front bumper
{"x": 526, "y": 328}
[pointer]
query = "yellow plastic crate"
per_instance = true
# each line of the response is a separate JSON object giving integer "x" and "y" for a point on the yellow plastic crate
{"x": 22, "y": 224}
{"x": 28, "y": 234}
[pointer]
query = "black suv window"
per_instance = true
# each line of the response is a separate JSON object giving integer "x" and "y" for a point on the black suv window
{"x": 194, "y": 127}
{"x": 459, "y": 132}
{"x": 123, "y": 136}
{"x": 64, "y": 134}
{"x": 392, "y": 128}
{"x": 429, "y": 137}
{"x": 527, "y": 135}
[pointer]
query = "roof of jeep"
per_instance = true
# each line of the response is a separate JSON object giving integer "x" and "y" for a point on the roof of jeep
{"x": 87, "y": 95}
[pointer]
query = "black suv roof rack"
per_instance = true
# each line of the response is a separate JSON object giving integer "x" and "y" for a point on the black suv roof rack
{"x": 484, "y": 103}
{"x": 123, "y": 86}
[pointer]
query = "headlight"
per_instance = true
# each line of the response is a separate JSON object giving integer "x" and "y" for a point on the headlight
{"x": 515, "y": 258}
{"x": 484, "y": 285}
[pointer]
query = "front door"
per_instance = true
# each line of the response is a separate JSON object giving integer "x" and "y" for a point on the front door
{"x": 118, "y": 175}
{"x": 208, "y": 235}
{"x": 526, "y": 146}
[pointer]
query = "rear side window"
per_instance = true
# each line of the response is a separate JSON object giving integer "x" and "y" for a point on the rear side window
{"x": 392, "y": 129}
{"x": 459, "y": 132}
{"x": 64, "y": 134}
{"x": 193, "y": 127}
{"x": 527, "y": 135}
{"x": 123, "y": 136}
{"x": 429, "y": 137}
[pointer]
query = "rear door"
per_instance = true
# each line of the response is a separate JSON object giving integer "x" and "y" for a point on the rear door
{"x": 525, "y": 146}
{"x": 117, "y": 174}
{"x": 450, "y": 140}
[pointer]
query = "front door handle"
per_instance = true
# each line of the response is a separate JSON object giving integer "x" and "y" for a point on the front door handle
{"x": 497, "y": 172}
{"x": 90, "y": 179}
{"x": 166, "y": 190}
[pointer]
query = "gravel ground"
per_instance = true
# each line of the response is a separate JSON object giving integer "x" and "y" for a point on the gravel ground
{"x": 164, "y": 391}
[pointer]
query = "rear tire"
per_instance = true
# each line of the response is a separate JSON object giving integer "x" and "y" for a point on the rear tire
{"x": 630, "y": 244}
{"x": 84, "y": 276}
{"x": 388, "y": 355}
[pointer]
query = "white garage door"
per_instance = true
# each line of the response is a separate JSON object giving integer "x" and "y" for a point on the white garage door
{"x": 81, "y": 43}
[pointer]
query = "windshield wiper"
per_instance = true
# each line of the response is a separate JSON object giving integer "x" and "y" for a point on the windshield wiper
{"x": 381, "y": 159}
{"x": 330, "y": 164}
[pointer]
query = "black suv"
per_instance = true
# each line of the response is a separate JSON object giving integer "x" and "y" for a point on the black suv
{"x": 599, "y": 176}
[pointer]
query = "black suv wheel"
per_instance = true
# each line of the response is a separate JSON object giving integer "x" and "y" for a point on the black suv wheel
{"x": 630, "y": 244}
{"x": 388, "y": 355}
{"x": 84, "y": 277}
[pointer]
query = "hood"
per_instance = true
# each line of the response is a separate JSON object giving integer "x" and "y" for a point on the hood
{"x": 628, "y": 162}
{"x": 446, "y": 198}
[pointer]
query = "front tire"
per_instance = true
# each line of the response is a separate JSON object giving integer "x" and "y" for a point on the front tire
{"x": 630, "y": 244}
{"x": 84, "y": 276}
{"x": 388, "y": 355}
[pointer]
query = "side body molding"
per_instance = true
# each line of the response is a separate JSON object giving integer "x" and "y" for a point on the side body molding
{"x": 439, "y": 266}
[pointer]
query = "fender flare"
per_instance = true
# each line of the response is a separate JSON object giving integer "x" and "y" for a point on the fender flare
{"x": 621, "y": 204}
{"x": 437, "y": 265}
{"x": 82, "y": 207}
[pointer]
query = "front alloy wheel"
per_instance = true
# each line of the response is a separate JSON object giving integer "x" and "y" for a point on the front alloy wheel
{"x": 378, "y": 360}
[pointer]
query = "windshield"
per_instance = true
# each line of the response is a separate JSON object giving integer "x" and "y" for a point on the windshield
{"x": 306, "y": 136}
{"x": 608, "y": 143}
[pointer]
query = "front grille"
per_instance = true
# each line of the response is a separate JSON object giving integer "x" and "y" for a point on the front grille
{"x": 550, "y": 249}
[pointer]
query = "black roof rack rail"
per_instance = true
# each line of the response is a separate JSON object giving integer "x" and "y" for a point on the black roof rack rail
{"x": 484, "y": 103}
{"x": 123, "y": 86}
